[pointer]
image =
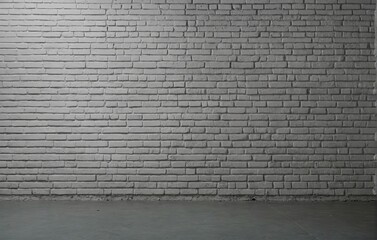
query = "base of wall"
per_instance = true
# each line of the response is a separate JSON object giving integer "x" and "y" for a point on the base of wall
{"x": 184, "y": 198}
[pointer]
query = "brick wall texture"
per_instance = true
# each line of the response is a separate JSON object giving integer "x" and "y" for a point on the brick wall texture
{"x": 252, "y": 98}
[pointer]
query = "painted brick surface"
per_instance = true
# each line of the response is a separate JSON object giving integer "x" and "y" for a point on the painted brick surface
{"x": 187, "y": 97}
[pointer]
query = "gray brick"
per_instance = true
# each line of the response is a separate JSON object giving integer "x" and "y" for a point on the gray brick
{"x": 188, "y": 97}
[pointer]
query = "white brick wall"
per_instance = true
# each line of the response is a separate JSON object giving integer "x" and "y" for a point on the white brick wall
{"x": 187, "y": 97}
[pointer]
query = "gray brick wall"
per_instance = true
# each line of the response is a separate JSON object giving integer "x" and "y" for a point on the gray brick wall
{"x": 248, "y": 98}
{"x": 375, "y": 95}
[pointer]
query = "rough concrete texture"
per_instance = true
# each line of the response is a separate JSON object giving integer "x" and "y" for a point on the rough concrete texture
{"x": 44, "y": 220}
{"x": 248, "y": 98}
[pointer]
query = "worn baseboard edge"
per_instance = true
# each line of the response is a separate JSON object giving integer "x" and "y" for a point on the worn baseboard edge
{"x": 184, "y": 198}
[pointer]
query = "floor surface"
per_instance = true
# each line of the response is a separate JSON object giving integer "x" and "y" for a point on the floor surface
{"x": 128, "y": 220}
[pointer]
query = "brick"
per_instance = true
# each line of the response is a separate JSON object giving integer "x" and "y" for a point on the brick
{"x": 188, "y": 98}
{"x": 144, "y": 65}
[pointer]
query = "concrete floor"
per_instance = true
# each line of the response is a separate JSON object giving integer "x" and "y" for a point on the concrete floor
{"x": 71, "y": 220}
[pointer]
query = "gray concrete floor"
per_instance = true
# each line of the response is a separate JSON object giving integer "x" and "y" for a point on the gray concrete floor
{"x": 127, "y": 220}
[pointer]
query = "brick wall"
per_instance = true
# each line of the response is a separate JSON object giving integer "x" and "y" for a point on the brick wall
{"x": 375, "y": 95}
{"x": 252, "y": 98}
